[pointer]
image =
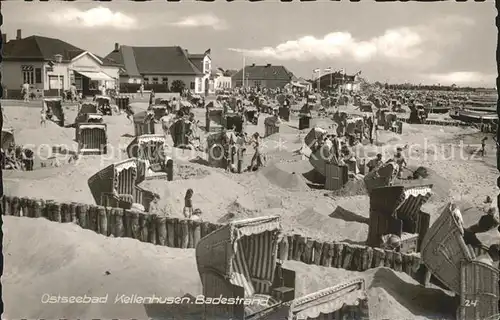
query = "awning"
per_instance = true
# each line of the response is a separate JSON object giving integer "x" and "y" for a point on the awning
{"x": 95, "y": 75}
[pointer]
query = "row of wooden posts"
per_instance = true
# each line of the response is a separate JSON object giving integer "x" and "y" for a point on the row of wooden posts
{"x": 182, "y": 233}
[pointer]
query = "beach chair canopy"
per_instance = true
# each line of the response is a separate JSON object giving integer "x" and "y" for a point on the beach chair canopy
{"x": 243, "y": 251}
{"x": 88, "y": 108}
{"x": 7, "y": 138}
{"x": 328, "y": 303}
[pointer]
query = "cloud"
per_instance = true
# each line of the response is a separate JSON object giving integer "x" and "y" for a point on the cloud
{"x": 461, "y": 77}
{"x": 396, "y": 45}
{"x": 201, "y": 20}
{"x": 93, "y": 18}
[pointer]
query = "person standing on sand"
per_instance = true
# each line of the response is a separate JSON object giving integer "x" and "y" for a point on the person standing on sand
{"x": 400, "y": 160}
{"x": 151, "y": 97}
{"x": 188, "y": 203}
{"x": 256, "y": 161}
{"x": 141, "y": 90}
{"x": 26, "y": 92}
{"x": 483, "y": 146}
{"x": 43, "y": 118}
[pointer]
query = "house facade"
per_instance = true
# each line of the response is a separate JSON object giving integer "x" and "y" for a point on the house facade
{"x": 159, "y": 67}
{"x": 266, "y": 76}
{"x": 33, "y": 60}
{"x": 337, "y": 80}
{"x": 221, "y": 81}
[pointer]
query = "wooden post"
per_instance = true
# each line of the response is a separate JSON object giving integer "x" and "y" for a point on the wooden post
{"x": 300, "y": 246}
{"x": 347, "y": 257}
{"x": 338, "y": 252}
{"x": 143, "y": 227}
{"x": 357, "y": 258}
{"x": 6, "y": 205}
{"x": 82, "y": 214}
{"x": 378, "y": 257}
{"x": 93, "y": 219}
{"x": 318, "y": 250}
{"x": 171, "y": 232}
{"x": 134, "y": 224}
{"x": 72, "y": 212}
{"x": 151, "y": 222}
{"x": 415, "y": 265}
{"x": 16, "y": 207}
{"x": 65, "y": 214}
{"x": 110, "y": 219}
{"x": 327, "y": 254}
{"x": 283, "y": 249}
{"x": 190, "y": 234}
{"x": 38, "y": 205}
{"x": 23, "y": 202}
{"x": 29, "y": 206}
{"x": 389, "y": 259}
{"x": 307, "y": 257}
{"x": 102, "y": 220}
{"x": 56, "y": 212}
{"x": 407, "y": 263}
{"x": 367, "y": 258}
{"x": 291, "y": 246}
{"x": 119, "y": 220}
{"x": 196, "y": 233}
{"x": 398, "y": 262}
{"x": 184, "y": 234}
{"x": 296, "y": 247}
{"x": 178, "y": 232}
{"x": 127, "y": 223}
{"x": 161, "y": 230}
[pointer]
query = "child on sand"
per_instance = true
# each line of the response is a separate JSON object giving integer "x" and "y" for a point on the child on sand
{"x": 43, "y": 118}
{"x": 188, "y": 203}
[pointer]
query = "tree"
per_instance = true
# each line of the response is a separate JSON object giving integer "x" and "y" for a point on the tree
{"x": 177, "y": 86}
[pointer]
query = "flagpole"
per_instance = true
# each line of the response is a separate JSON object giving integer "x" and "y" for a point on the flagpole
{"x": 243, "y": 82}
{"x": 331, "y": 79}
{"x": 319, "y": 81}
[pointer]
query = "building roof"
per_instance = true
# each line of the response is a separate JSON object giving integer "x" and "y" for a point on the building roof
{"x": 38, "y": 48}
{"x": 138, "y": 61}
{"x": 266, "y": 72}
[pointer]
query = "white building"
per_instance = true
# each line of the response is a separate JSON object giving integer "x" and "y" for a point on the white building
{"x": 34, "y": 60}
{"x": 159, "y": 67}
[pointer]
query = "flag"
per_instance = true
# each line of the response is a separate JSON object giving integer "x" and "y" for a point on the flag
{"x": 328, "y": 69}
{"x": 316, "y": 70}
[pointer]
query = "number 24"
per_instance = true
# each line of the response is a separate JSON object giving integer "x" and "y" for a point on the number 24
{"x": 471, "y": 303}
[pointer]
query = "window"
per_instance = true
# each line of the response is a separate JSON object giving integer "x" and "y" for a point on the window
{"x": 28, "y": 74}
{"x": 207, "y": 66}
{"x": 155, "y": 80}
{"x": 200, "y": 85}
{"x": 257, "y": 83}
{"x": 191, "y": 86}
{"x": 56, "y": 82}
{"x": 78, "y": 82}
{"x": 145, "y": 80}
{"x": 38, "y": 75}
{"x": 164, "y": 80}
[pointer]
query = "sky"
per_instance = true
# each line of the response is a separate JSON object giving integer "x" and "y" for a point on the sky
{"x": 428, "y": 43}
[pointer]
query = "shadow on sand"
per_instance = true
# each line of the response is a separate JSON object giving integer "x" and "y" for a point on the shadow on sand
{"x": 347, "y": 215}
{"x": 431, "y": 301}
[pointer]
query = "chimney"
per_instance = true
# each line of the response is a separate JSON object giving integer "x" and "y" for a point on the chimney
{"x": 253, "y": 64}
{"x": 117, "y": 46}
{"x": 19, "y": 35}
{"x": 268, "y": 65}
{"x": 4, "y": 38}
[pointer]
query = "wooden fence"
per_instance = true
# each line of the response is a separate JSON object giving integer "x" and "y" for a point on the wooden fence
{"x": 182, "y": 233}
